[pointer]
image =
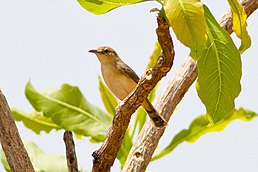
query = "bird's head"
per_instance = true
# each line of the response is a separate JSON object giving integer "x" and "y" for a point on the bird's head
{"x": 105, "y": 54}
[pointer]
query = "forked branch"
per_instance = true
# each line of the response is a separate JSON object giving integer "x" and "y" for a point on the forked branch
{"x": 147, "y": 141}
{"x": 105, "y": 156}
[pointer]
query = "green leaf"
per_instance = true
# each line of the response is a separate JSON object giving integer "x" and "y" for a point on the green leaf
{"x": 68, "y": 108}
{"x": 103, "y": 6}
{"x": 140, "y": 118}
{"x": 35, "y": 121}
{"x": 154, "y": 56}
{"x": 219, "y": 72}
{"x": 4, "y": 162}
{"x": 152, "y": 61}
{"x": 239, "y": 24}
{"x": 200, "y": 126}
{"x": 107, "y": 97}
{"x": 186, "y": 17}
{"x": 40, "y": 160}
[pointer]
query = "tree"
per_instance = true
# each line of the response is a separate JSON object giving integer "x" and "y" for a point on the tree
{"x": 63, "y": 108}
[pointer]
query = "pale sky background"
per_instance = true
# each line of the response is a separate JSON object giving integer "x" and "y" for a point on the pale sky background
{"x": 47, "y": 41}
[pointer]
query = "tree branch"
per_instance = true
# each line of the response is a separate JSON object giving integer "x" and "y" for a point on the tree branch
{"x": 16, "y": 155}
{"x": 147, "y": 141}
{"x": 70, "y": 152}
{"x": 105, "y": 156}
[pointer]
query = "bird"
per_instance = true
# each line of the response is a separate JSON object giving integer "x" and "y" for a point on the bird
{"x": 121, "y": 80}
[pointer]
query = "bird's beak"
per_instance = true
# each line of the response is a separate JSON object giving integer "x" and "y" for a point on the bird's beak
{"x": 93, "y": 51}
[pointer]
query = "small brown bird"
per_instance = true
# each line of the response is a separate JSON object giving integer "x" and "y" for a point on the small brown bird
{"x": 122, "y": 80}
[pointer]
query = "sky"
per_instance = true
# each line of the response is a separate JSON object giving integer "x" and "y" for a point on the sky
{"x": 47, "y": 42}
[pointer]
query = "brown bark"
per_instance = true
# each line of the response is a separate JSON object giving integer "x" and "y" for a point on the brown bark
{"x": 147, "y": 141}
{"x": 70, "y": 152}
{"x": 105, "y": 156}
{"x": 16, "y": 155}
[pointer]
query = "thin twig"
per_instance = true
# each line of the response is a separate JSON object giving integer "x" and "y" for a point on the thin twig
{"x": 147, "y": 141}
{"x": 16, "y": 155}
{"x": 70, "y": 152}
{"x": 105, "y": 156}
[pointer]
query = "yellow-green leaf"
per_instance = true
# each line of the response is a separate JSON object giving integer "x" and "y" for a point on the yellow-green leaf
{"x": 140, "y": 118}
{"x": 200, "y": 126}
{"x": 35, "y": 121}
{"x": 103, "y": 6}
{"x": 219, "y": 72}
{"x": 41, "y": 161}
{"x": 107, "y": 97}
{"x": 152, "y": 61}
{"x": 186, "y": 17}
{"x": 68, "y": 108}
{"x": 239, "y": 24}
{"x": 154, "y": 56}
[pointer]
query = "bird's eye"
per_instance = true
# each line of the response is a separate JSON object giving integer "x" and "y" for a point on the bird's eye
{"x": 106, "y": 50}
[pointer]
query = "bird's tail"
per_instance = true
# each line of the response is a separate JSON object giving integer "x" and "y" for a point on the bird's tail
{"x": 153, "y": 114}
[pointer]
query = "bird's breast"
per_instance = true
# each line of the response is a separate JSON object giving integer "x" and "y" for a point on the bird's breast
{"x": 118, "y": 83}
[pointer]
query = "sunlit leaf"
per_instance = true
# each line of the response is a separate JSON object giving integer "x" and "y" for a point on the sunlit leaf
{"x": 140, "y": 118}
{"x": 154, "y": 56}
{"x": 107, "y": 97}
{"x": 239, "y": 24}
{"x": 200, "y": 126}
{"x": 103, "y": 6}
{"x": 219, "y": 72}
{"x": 152, "y": 61}
{"x": 68, "y": 108}
{"x": 4, "y": 162}
{"x": 40, "y": 160}
{"x": 186, "y": 17}
{"x": 35, "y": 121}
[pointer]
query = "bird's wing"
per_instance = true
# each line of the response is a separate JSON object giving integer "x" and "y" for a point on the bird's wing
{"x": 129, "y": 72}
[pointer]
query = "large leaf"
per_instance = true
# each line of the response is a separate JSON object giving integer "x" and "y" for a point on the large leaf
{"x": 200, "y": 126}
{"x": 40, "y": 160}
{"x": 239, "y": 24}
{"x": 35, "y": 121}
{"x": 188, "y": 22}
{"x": 219, "y": 72}
{"x": 68, "y": 108}
{"x": 107, "y": 97}
{"x": 103, "y": 6}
